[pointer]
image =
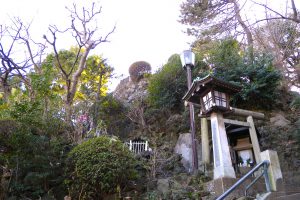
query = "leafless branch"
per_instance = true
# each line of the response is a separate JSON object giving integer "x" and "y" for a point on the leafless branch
{"x": 75, "y": 62}
{"x": 15, "y": 38}
{"x": 17, "y": 35}
{"x": 53, "y": 30}
{"x": 294, "y": 18}
{"x": 84, "y": 31}
{"x": 295, "y": 12}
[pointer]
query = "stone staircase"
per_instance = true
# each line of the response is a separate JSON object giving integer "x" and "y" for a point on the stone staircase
{"x": 290, "y": 193}
{"x": 285, "y": 192}
{"x": 295, "y": 196}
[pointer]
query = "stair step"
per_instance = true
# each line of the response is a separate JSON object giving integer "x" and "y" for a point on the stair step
{"x": 284, "y": 195}
{"x": 263, "y": 196}
{"x": 295, "y": 196}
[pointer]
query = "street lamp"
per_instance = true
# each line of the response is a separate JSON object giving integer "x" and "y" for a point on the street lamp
{"x": 188, "y": 62}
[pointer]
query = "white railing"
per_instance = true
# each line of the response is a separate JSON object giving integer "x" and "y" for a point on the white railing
{"x": 138, "y": 146}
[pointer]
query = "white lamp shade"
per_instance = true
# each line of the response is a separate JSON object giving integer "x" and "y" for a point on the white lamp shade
{"x": 187, "y": 57}
{"x": 214, "y": 99}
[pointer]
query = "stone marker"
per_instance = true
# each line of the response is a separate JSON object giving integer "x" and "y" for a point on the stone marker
{"x": 274, "y": 170}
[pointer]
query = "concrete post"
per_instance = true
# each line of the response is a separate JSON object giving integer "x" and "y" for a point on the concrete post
{"x": 205, "y": 141}
{"x": 222, "y": 160}
{"x": 274, "y": 170}
{"x": 146, "y": 146}
{"x": 254, "y": 139}
{"x": 130, "y": 145}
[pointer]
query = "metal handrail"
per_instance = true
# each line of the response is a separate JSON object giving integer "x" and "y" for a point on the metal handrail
{"x": 265, "y": 164}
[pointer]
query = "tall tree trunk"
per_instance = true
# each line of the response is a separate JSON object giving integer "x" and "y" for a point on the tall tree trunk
{"x": 68, "y": 103}
{"x": 245, "y": 28}
{"x": 31, "y": 91}
{"x": 95, "y": 121}
{"x": 68, "y": 109}
{"x": 72, "y": 85}
{"x": 6, "y": 89}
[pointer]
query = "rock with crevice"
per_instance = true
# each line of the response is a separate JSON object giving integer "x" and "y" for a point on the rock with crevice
{"x": 279, "y": 120}
{"x": 184, "y": 148}
{"x": 129, "y": 91}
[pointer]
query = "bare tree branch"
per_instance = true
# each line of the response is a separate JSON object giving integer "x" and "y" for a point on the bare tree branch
{"x": 76, "y": 60}
{"x": 53, "y": 31}
{"x": 12, "y": 63}
{"x": 295, "y": 12}
{"x": 85, "y": 33}
{"x": 281, "y": 16}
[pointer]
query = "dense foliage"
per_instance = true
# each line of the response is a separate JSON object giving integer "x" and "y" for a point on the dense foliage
{"x": 112, "y": 117}
{"x": 47, "y": 107}
{"x": 99, "y": 166}
{"x": 259, "y": 79}
{"x": 42, "y": 103}
{"x": 32, "y": 154}
{"x": 217, "y": 20}
{"x": 169, "y": 84}
{"x": 91, "y": 85}
{"x": 295, "y": 104}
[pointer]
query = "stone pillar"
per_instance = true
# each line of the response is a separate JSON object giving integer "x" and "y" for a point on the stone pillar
{"x": 222, "y": 160}
{"x": 205, "y": 141}
{"x": 184, "y": 147}
{"x": 254, "y": 139}
{"x": 274, "y": 170}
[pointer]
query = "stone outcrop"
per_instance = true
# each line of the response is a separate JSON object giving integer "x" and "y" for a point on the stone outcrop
{"x": 279, "y": 120}
{"x": 181, "y": 186}
{"x": 163, "y": 186}
{"x": 282, "y": 135}
{"x": 184, "y": 148}
{"x": 128, "y": 91}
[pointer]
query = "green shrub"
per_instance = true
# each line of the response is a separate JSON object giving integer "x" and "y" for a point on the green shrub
{"x": 36, "y": 163}
{"x": 260, "y": 81}
{"x": 295, "y": 104}
{"x": 169, "y": 84}
{"x": 98, "y": 167}
{"x": 31, "y": 148}
{"x": 138, "y": 69}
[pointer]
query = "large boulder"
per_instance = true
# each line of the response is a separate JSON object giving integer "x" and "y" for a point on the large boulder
{"x": 184, "y": 148}
{"x": 163, "y": 186}
{"x": 279, "y": 120}
{"x": 135, "y": 86}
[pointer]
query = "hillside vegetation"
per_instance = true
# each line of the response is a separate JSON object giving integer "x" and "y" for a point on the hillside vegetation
{"x": 62, "y": 135}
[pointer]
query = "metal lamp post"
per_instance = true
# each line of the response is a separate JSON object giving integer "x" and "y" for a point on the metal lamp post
{"x": 188, "y": 62}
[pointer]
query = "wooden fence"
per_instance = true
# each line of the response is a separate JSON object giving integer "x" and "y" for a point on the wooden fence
{"x": 138, "y": 146}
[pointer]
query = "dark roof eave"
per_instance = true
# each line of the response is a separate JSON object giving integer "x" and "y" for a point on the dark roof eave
{"x": 207, "y": 79}
{"x": 190, "y": 91}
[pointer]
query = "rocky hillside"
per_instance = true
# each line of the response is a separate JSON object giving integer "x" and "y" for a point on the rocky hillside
{"x": 162, "y": 128}
{"x": 281, "y": 133}
{"x": 128, "y": 91}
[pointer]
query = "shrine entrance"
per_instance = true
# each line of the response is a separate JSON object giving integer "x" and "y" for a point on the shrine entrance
{"x": 235, "y": 143}
{"x": 241, "y": 148}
